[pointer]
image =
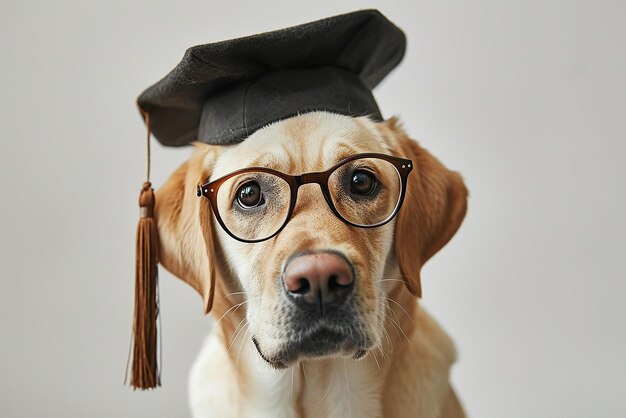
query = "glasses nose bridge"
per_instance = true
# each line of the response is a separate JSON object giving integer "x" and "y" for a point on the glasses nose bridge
{"x": 319, "y": 178}
{"x": 309, "y": 178}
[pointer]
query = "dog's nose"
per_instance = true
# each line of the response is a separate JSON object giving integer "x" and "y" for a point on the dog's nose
{"x": 320, "y": 281}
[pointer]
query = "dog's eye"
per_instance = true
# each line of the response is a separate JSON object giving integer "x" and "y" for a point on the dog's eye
{"x": 249, "y": 195}
{"x": 363, "y": 182}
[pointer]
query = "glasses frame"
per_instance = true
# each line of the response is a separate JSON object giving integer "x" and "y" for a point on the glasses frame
{"x": 209, "y": 190}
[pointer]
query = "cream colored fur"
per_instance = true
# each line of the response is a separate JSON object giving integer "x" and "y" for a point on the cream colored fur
{"x": 406, "y": 372}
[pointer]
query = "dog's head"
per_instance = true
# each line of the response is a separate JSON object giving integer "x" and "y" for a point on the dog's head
{"x": 320, "y": 286}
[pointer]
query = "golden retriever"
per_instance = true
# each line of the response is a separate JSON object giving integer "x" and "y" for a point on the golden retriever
{"x": 322, "y": 319}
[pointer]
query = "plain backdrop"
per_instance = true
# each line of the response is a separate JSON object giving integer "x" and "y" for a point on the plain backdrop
{"x": 527, "y": 99}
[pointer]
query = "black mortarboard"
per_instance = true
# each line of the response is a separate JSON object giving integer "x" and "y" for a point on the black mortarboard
{"x": 220, "y": 93}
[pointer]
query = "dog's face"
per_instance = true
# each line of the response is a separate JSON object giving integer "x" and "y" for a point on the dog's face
{"x": 283, "y": 325}
{"x": 320, "y": 287}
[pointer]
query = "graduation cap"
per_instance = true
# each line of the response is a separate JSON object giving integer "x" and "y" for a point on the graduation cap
{"x": 221, "y": 93}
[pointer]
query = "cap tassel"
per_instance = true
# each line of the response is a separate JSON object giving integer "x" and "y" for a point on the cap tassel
{"x": 145, "y": 368}
{"x": 145, "y": 372}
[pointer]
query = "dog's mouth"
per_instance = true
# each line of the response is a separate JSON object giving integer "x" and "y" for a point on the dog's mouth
{"x": 321, "y": 342}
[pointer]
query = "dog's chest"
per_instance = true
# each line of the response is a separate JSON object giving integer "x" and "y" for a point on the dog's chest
{"x": 333, "y": 389}
{"x": 340, "y": 388}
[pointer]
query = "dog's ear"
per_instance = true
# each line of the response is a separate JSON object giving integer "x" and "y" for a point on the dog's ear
{"x": 433, "y": 208}
{"x": 184, "y": 221}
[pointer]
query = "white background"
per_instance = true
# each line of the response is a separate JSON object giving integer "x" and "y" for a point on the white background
{"x": 527, "y": 99}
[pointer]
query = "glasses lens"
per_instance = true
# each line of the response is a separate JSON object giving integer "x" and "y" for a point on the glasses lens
{"x": 366, "y": 192}
{"x": 253, "y": 205}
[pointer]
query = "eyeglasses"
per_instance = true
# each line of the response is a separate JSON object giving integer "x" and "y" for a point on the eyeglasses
{"x": 254, "y": 204}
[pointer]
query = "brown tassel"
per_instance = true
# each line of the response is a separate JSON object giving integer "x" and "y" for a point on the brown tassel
{"x": 145, "y": 372}
{"x": 145, "y": 367}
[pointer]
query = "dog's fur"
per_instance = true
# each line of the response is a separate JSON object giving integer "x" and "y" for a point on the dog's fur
{"x": 406, "y": 368}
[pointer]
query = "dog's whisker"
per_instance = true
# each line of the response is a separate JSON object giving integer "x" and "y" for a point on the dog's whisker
{"x": 235, "y": 293}
{"x": 384, "y": 354}
{"x": 395, "y": 326}
{"x": 345, "y": 369}
{"x": 237, "y": 332}
{"x": 391, "y": 280}
{"x": 398, "y": 327}
{"x": 378, "y": 349}
{"x": 412, "y": 278}
{"x": 401, "y": 307}
{"x": 291, "y": 388}
{"x": 387, "y": 336}
{"x": 243, "y": 342}
{"x": 392, "y": 312}
{"x": 330, "y": 382}
{"x": 372, "y": 354}
{"x": 381, "y": 324}
{"x": 235, "y": 307}
{"x": 304, "y": 374}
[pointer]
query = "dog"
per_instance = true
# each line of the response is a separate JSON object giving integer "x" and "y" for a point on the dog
{"x": 321, "y": 319}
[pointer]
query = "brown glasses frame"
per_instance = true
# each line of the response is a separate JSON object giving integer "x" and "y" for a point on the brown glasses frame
{"x": 210, "y": 189}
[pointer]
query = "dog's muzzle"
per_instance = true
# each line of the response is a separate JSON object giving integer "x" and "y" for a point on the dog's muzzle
{"x": 319, "y": 291}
